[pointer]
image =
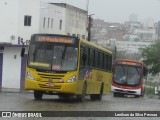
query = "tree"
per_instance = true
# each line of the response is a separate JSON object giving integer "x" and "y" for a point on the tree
{"x": 151, "y": 57}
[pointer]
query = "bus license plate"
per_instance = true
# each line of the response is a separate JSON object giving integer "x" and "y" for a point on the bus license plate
{"x": 50, "y": 85}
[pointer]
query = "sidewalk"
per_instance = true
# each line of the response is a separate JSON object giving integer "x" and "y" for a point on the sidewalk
{"x": 15, "y": 90}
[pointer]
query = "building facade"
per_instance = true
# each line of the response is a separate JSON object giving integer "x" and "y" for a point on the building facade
{"x": 75, "y": 20}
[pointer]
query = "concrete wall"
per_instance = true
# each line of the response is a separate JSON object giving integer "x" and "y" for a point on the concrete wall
{"x": 8, "y": 21}
{"x": 11, "y": 67}
{"x": 76, "y": 21}
{"x": 30, "y": 8}
{"x": 52, "y": 14}
{"x": 12, "y": 14}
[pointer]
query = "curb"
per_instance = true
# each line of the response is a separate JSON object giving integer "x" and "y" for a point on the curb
{"x": 14, "y": 90}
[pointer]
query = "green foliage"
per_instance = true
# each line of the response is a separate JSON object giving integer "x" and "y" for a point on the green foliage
{"x": 151, "y": 55}
{"x": 149, "y": 91}
{"x": 155, "y": 84}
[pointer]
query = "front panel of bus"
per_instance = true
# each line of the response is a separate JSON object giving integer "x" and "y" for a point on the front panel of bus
{"x": 52, "y": 63}
{"x": 127, "y": 77}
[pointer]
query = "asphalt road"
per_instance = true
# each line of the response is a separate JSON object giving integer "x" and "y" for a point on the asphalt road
{"x": 25, "y": 102}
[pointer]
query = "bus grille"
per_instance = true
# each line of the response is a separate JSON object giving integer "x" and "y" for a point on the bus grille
{"x": 45, "y": 77}
{"x": 128, "y": 91}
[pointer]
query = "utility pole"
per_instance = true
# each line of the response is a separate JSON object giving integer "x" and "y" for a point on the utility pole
{"x": 90, "y": 20}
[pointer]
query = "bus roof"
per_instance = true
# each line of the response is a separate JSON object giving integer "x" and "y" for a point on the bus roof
{"x": 95, "y": 46}
{"x": 129, "y": 60}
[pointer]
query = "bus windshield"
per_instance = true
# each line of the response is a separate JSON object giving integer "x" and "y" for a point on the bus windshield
{"x": 55, "y": 57}
{"x": 127, "y": 75}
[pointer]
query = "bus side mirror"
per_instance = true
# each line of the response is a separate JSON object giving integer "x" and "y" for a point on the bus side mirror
{"x": 145, "y": 72}
{"x": 22, "y": 52}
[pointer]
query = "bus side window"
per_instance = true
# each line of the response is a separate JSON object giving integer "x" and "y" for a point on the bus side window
{"x": 96, "y": 59}
{"x": 92, "y": 57}
{"x": 101, "y": 60}
{"x": 83, "y": 57}
{"x": 105, "y": 61}
{"x": 110, "y": 63}
{"x": 87, "y": 62}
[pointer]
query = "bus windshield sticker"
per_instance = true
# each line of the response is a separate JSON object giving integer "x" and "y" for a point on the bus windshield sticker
{"x": 39, "y": 64}
{"x": 56, "y": 67}
{"x": 129, "y": 63}
{"x": 54, "y": 39}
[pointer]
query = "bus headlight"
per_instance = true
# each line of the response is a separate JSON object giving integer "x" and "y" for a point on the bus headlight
{"x": 29, "y": 76}
{"x": 72, "y": 79}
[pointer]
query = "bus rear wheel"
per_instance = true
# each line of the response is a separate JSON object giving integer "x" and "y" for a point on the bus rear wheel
{"x": 38, "y": 95}
{"x": 94, "y": 97}
{"x": 99, "y": 96}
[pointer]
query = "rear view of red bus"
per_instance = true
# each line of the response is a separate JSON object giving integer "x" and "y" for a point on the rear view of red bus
{"x": 129, "y": 77}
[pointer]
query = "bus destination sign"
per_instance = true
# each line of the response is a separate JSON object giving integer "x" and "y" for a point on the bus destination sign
{"x": 129, "y": 63}
{"x": 55, "y": 39}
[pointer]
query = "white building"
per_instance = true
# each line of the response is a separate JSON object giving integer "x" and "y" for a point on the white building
{"x": 18, "y": 20}
{"x": 21, "y": 18}
{"x": 75, "y": 20}
{"x": 146, "y": 34}
{"x": 133, "y": 17}
{"x": 130, "y": 37}
{"x": 131, "y": 46}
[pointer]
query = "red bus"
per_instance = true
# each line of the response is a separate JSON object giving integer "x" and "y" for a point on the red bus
{"x": 129, "y": 78}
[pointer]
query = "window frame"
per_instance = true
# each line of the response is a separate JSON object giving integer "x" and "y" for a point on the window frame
{"x": 27, "y": 20}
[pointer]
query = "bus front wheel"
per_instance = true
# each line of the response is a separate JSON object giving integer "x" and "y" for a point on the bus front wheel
{"x": 38, "y": 95}
{"x": 142, "y": 92}
{"x": 137, "y": 96}
{"x": 81, "y": 97}
{"x": 115, "y": 94}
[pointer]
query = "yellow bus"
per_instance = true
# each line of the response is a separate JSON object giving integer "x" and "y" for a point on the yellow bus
{"x": 67, "y": 66}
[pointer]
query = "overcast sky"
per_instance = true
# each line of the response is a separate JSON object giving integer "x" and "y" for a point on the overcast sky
{"x": 118, "y": 10}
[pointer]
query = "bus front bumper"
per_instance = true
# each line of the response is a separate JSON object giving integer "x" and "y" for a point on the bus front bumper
{"x": 53, "y": 87}
{"x": 126, "y": 91}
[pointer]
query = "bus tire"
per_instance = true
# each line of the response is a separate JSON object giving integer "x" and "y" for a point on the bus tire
{"x": 38, "y": 95}
{"x": 63, "y": 96}
{"x": 121, "y": 95}
{"x": 115, "y": 94}
{"x": 137, "y": 96}
{"x": 81, "y": 97}
{"x": 93, "y": 97}
{"x": 142, "y": 92}
{"x": 99, "y": 96}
